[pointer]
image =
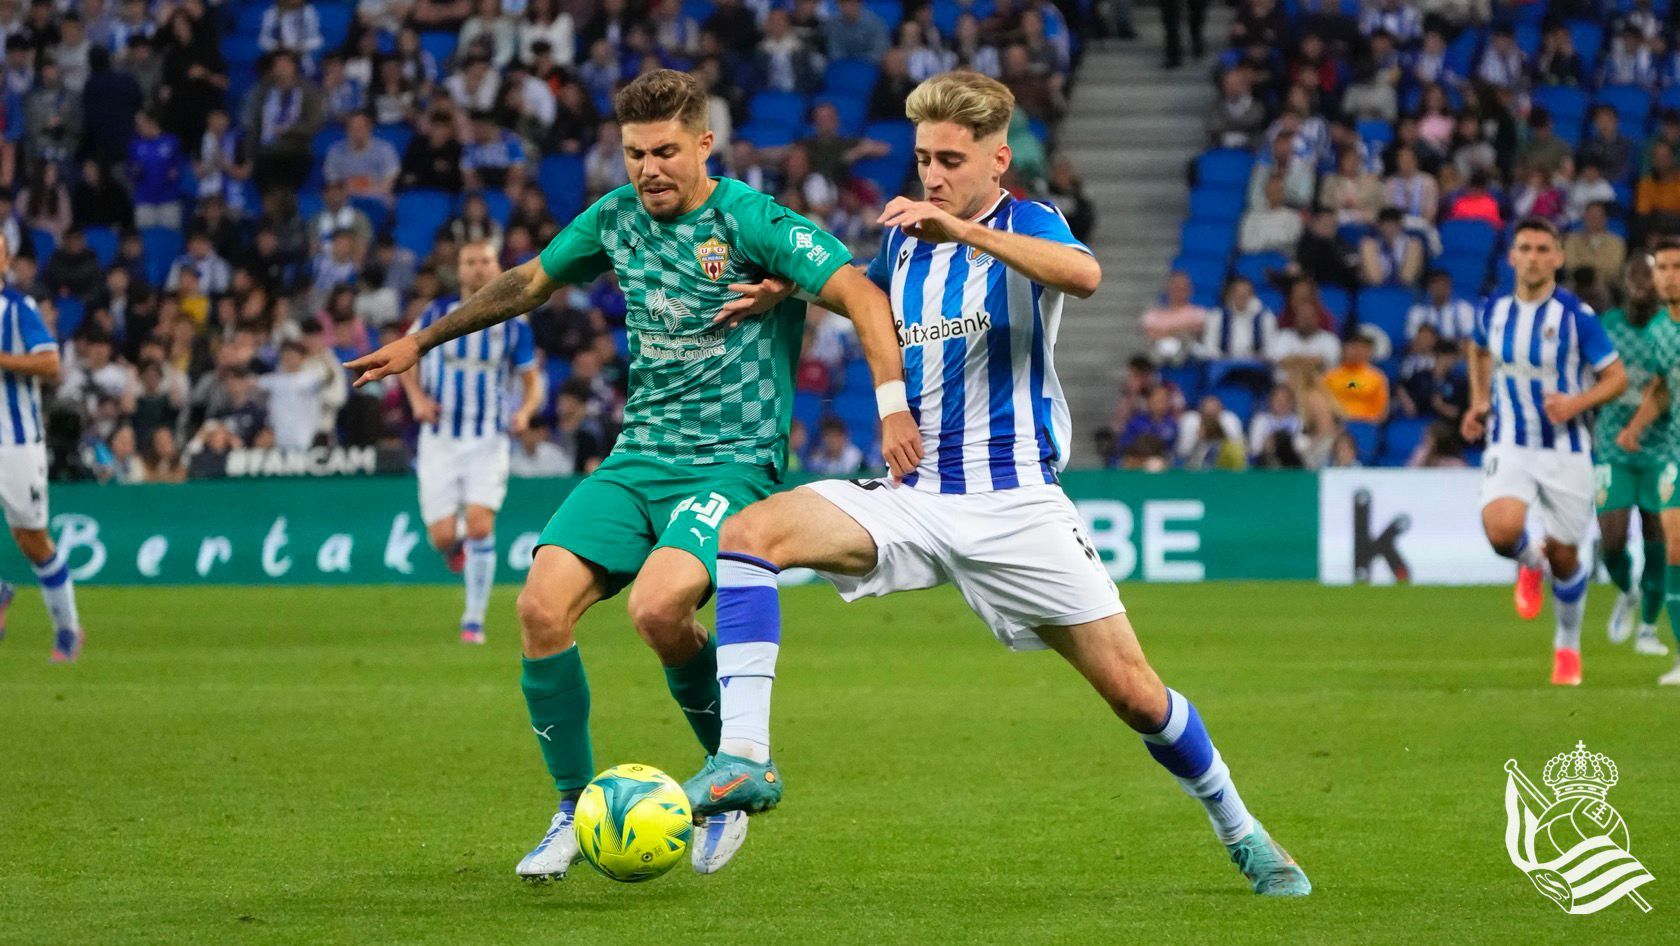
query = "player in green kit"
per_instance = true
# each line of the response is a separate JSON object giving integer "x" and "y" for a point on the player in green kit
{"x": 705, "y": 428}
{"x": 1653, "y": 427}
{"x": 1627, "y": 479}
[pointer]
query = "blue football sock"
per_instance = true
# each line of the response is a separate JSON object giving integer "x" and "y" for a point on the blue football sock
{"x": 59, "y": 592}
{"x": 749, "y": 636}
{"x": 1182, "y": 746}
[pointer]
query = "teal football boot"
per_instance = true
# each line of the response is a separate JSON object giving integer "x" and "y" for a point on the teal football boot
{"x": 1268, "y": 866}
{"x": 731, "y": 783}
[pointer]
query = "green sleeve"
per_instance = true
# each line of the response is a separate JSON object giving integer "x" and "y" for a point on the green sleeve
{"x": 575, "y": 255}
{"x": 788, "y": 245}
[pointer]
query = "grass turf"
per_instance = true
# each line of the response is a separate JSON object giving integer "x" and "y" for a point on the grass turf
{"x": 329, "y": 765}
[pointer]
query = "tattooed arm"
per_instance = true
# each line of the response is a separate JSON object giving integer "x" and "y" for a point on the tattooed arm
{"x": 517, "y": 291}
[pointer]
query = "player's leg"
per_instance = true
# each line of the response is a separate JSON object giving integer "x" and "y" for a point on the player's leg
{"x": 669, "y": 589}
{"x": 1647, "y": 640}
{"x": 1616, "y": 483}
{"x": 1671, "y": 572}
{"x": 1566, "y": 513}
{"x": 439, "y": 471}
{"x": 1509, "y": 487}
{"x": 23, "y": 498}
{"x": 478, "y": 570}
{"x": 1107, "y": 654}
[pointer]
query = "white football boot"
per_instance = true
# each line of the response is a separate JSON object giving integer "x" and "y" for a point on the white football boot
{"x": 554, "y": 854}
{"x": 1648, "y": 643}
{"x": 1671, "y": 678}
{"x": 716, "y": 839}
{"x": 1623, "y": 616}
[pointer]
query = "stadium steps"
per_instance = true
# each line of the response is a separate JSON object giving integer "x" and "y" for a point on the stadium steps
{"x": 1134, "y": 171}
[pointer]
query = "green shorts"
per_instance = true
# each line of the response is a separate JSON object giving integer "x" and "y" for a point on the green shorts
{"x": 1639, "y": 485}
{"x": 632, "y": 505}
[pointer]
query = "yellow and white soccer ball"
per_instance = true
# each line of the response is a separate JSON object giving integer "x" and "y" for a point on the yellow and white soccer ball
{"x": 633, "y": 823}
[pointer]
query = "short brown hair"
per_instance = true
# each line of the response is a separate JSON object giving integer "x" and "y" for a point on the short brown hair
{"x": 976, "y": 102}
{"x": 1540, "y": 224}
{"x": 661, "y": 95}
{"x": 1666, "y": 244}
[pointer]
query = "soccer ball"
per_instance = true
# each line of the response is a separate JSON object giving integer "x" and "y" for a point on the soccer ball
{"x": 633, "y": 823}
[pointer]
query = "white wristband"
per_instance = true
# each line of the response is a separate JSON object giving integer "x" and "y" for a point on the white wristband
{"x": 890, "y": 398}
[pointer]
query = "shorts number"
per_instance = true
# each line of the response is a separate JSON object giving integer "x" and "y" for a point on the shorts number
{"x": 1490, "y": 465}
{"x": 711, "y": 512}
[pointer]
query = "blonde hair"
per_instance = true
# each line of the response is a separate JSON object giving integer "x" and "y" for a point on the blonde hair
{"x": 976, "y": 102}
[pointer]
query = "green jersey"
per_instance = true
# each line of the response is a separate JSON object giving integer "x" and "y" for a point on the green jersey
{"x": 1633, "y": 343}
{"x": 700, "y": 395}
{"x": 1662, "y": 359}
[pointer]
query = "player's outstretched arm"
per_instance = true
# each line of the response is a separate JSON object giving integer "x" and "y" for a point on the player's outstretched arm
{"x": 41, "y": 364}
{"x": 515, "y": 292}
{"x": 1480, "y": 363}
{"x": 1651, "y": 405}
{"x": 1046, "y": 262}
{"x": 850, "y": 293}
{"x": 530, "y": 403}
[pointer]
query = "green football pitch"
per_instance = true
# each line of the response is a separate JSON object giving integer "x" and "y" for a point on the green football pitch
{"x": 313, "y": 765}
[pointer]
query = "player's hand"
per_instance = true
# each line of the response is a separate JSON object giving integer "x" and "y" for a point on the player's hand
{"x": 1628, "y": 440}
{"x": 425, "y": 408}
{"x": 923, "y": 220}
{"x": 393, "y": 359}
{"x": 1474, "y": 425}
{"x": 901, "y": 444}
{"x": 756, "y": 299}
{"x": 521, "y": 422}
{"x": 1560, "y": 408}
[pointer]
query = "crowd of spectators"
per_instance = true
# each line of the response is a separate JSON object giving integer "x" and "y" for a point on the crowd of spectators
{"x": 1380, "y": 153}
{"x": 217, "y": 203}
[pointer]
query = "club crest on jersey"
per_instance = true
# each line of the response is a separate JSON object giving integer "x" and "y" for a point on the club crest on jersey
{"x": 713, "y": 256}
{"x": 976, "y": 258}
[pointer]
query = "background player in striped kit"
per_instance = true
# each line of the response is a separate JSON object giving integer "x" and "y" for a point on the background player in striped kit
{"x": 458, "y": 393}
{"x": 28, "y": 354}
{"x": 977, "y": 280}
{"x": 1528, "y": 358}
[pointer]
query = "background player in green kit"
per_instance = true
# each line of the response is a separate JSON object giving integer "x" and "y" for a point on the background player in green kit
{"x": 705, "y": 428}
{"x": 1652, "y": 426}
{"x": 1627, "y": 479}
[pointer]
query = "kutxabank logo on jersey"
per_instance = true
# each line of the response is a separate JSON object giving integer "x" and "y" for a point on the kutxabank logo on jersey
{"x": 1567, "y": 839}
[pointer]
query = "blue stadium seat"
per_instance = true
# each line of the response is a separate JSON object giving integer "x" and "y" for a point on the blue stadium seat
{"x": 241, "y": 48}
{"x": 399, "y": 135}
{"x": 323, "y": 141}
{"x": 1340, "y": 304}
{"x": 441, "y": 44}
{"x": 162, "y": 245}
{"x": 1633, "y": 108}
{"x": 1367, "y": 439}
{"x": 1504, "y": 277}
{"x": 1462, "y": 51}
{"x": 377, "y": 211}
{"x": 1224, "y": 167}
{"x": 1238, "y": 399}
{"x": 1468, "y": 238}
{"x": 308, "y": 204}
{"x": 851, "y": 76}
{"x": 1376, "y": 132}
{"x": 769, "y": 135}
{"x": 103, "y": 242}
{"x": 71, "y": 312}
{"x": 250, "y": 17}
{"x": 1188, "y": 378}
{"x": 561, "y": 178}
{"x": 44, "y": 244}
{"x": 1207, "y": 276}
{"x": 1468, "y": 274}
{"x": 888, "y": 174}
{"x": 1528, "y": 37}
{"x": 1400, "y": 438}
{"x": 1270, "y": 297}
{"x": 1386, "y": 308}
{"x": 419, "y": 215}
{"x": 698, "y": 10}
{"x": 1589, "y": 40}
{"x": 898, "y": 133}
{"x": 891, "y": 12}
{"x": 777, "y": 108}
{"x": 1561, "y": 101}
{"x": 808, "y": 410}
{"x": 1217, "y": 204}
{"x": 857, "y": 377}
{"x": 1255, "y": 266}
{"x": 1207, "y": 241}
{"x": 498, "y": 203}
{"x": 857, "y": 409}
{"x": 335, "y": 23}
{"x": 852, "y": 107}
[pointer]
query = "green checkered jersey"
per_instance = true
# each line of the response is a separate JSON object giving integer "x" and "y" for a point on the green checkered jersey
{"x": 1633, "y": 344}
{"x": 700, "y": 395}
{"x": 1662, "y": 359}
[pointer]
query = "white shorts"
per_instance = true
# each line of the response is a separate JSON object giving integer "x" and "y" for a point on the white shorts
{"x": 23, "y": 485}
{"x": 1019, "y": 556}
{"x": 457, "y": 473}
{"x": 1557, "y": 483}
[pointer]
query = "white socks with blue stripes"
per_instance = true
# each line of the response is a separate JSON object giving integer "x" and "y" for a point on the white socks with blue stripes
{"x": 1182, "y": 747}
{"x": 480, "y": 574}
{"x": 1569, "y": 604}
{"x": 749, "y": 636}
{"x": 59, "y": 591}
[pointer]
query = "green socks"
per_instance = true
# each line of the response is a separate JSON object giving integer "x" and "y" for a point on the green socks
{"x": 1620, "y": 566}
{"x": 557, "y": 694}
{"x": 694, "y": 685}
{"x": 1651, "y": 582}
{"x": 1671, "y": 582}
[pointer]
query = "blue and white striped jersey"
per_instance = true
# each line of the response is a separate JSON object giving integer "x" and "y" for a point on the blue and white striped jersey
{"x": 1539, "y": 348}
{"x": 22, "y": 332}
{"x": 469, "y": 376}
{"x": 977, "y": 339}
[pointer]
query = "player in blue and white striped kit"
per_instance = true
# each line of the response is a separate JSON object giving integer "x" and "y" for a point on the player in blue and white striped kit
{"x": 28, "y": 354}
{"x": 977, "y": 280}
{"x": 1529, "y": 360}
{"x": 458, "y": 393}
